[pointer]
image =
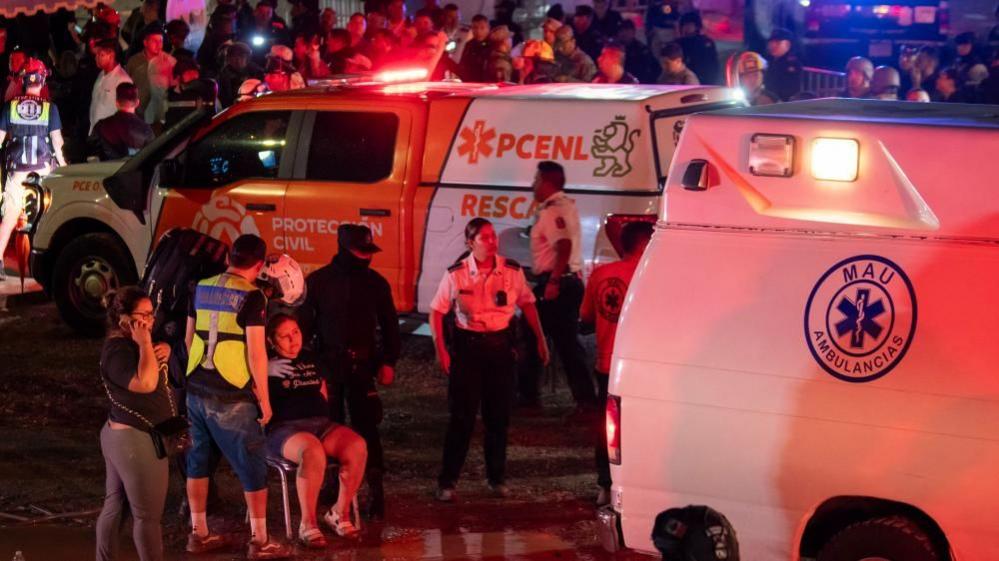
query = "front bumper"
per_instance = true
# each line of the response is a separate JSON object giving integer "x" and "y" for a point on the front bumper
{"x": 609, "y": 526}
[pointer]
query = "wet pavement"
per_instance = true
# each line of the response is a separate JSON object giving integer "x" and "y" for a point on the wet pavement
{"x": 482, "y": 531}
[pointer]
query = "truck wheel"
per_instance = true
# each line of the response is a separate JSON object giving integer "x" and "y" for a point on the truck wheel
{"x": 892, "y": 538}
{"x": 86, "y": 270}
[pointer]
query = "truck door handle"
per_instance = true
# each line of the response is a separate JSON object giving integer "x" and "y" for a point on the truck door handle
{"x": 376, "y": 212}
{"x": 261, "y": 207}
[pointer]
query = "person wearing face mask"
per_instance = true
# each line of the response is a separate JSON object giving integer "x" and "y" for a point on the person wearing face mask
{"x": 138, "y": 395}
{"x": 351, "y": 316}
{"x": 484, "y": 289}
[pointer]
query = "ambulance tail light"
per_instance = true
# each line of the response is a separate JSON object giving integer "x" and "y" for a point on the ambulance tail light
{"x": 835, "y": 159}
{"x": 613, "y": 421}
{"x": 402, "y": 75}
{"x": 615, "y": 225}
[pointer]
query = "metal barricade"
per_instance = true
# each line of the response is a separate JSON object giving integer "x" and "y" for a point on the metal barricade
{"x": 822, "y": 82}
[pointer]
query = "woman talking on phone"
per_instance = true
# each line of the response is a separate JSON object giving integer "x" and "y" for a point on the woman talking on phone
{"x": 137, "y": 390}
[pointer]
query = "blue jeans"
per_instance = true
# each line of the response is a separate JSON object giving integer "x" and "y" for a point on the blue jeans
{"x": 235, "y": 430}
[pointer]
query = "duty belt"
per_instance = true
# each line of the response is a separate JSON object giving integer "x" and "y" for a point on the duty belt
{"x": 483, "y": 335}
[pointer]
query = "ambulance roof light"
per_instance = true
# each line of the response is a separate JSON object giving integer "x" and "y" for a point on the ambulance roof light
{"x": 402, "y": 75}
{"x": 835, "y": 159}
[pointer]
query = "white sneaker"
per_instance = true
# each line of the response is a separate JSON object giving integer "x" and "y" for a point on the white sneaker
{"x": 342, "y": 526}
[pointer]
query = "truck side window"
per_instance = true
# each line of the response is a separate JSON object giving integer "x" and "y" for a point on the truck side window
{"x": 245, "y": 147}
{"x": 352, "y": 146}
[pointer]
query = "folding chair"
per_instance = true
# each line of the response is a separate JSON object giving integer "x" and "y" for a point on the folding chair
{"x": 286, "y": 470}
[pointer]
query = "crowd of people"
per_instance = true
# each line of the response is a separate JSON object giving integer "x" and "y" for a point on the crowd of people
{"x": 966, "y": 73}
{"x": 249, "y": 49}
{"x": 306, "y": 366}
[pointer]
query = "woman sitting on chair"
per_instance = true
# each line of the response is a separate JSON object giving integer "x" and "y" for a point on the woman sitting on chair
{"x": 301, "y": 431}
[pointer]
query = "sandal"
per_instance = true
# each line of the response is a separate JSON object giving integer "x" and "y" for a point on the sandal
{"x": 342, "y": 526}
{"x": 312, "y": 538}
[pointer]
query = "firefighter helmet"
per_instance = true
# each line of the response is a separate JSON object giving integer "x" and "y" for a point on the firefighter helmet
{"x": 751, "y": 62}
{"x": 34, "y": 73}
{"x": 862, "y": 65}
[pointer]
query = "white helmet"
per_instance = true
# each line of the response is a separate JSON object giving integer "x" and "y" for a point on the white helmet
{"x": 250, "y": 89}
{"x": 284, "y": 276}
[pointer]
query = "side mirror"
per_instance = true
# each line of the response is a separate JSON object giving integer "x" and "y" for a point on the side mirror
{"x": 696, "y": 176}
{"x": 171, "y": 173}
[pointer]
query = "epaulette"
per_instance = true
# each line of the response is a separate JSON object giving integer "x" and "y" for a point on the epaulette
{"x": 512, "y": 264}
{"x": 456, "y": 267}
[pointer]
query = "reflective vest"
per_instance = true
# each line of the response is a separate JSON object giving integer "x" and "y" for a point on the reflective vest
{"x": 28, "y": 133}
{"x": 219, "y": 341}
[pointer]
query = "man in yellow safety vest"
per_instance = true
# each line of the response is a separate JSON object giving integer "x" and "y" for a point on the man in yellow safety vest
{"x": 227, "y": 399}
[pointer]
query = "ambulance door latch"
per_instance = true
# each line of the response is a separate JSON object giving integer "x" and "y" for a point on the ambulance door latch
{"x": 696, "y": 177}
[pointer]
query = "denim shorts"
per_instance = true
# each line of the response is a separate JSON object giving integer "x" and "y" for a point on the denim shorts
{"x": 238, "y": 434}
{"x": 279, "y": 433}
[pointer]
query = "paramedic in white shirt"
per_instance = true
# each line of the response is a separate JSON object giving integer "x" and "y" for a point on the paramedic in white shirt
{"x": 484, "y": 289}
{"x": 557, "y": 254}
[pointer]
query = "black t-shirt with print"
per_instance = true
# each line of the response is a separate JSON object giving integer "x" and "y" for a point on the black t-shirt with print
{"x": 119, "y": 364}
{"x": 295, "y": 387}
{"x": 210, "y": 382}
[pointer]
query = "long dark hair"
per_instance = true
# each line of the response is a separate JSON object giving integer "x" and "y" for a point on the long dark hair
{"x": 121, "y": 303}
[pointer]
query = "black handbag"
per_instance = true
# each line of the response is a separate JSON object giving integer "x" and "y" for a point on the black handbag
{"x": 170, "y": 437}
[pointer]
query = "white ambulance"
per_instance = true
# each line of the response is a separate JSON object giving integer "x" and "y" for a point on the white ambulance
{"x": 414, "y": 161}
{"x": 809, "y": 343}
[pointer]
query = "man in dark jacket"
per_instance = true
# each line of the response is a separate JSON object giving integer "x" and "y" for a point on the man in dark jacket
{"x": 124, "y": 133}
{"x": 606, "y": 19}
{"x": 237, "y": 70}
{"x": 350, "y": 311}
{"x": 783, "y": 73}
{"x": 475, "y": 55}
{"x": 587, "y": 36}
{"x": 699, "y": 51}
{"x": 639, "y": 60}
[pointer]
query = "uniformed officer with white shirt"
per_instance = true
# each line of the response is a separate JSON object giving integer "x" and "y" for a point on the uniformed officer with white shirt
{"x": 484, "y": 289}
{"x": 558, "y": 261}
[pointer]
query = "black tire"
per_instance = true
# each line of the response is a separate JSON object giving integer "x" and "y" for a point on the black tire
{"x": 85, "y": 270}
{"x": 892, "y": 538}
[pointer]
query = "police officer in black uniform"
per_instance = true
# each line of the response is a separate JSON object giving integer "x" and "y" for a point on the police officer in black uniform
{"x": 783, "y": 73}
{"x": 350, "y": 312}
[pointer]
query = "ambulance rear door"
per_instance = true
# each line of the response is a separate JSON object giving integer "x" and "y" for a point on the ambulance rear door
{"x": 350, "y": 170}
{"x": 231, "y": 180}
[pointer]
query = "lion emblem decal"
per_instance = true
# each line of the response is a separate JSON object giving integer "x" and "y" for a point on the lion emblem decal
{"x": 612, "y": 145}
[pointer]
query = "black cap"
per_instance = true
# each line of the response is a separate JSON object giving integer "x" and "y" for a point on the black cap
{"x": 693, "y": 17}
{"x": 781, "y": 34}
{"x": 966, "y": 38}
{"x": 356, "y": 237}
{"x": 584, "y": 10}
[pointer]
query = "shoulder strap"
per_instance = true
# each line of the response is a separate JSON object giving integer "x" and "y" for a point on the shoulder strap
{"x": 166, "y": 386}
